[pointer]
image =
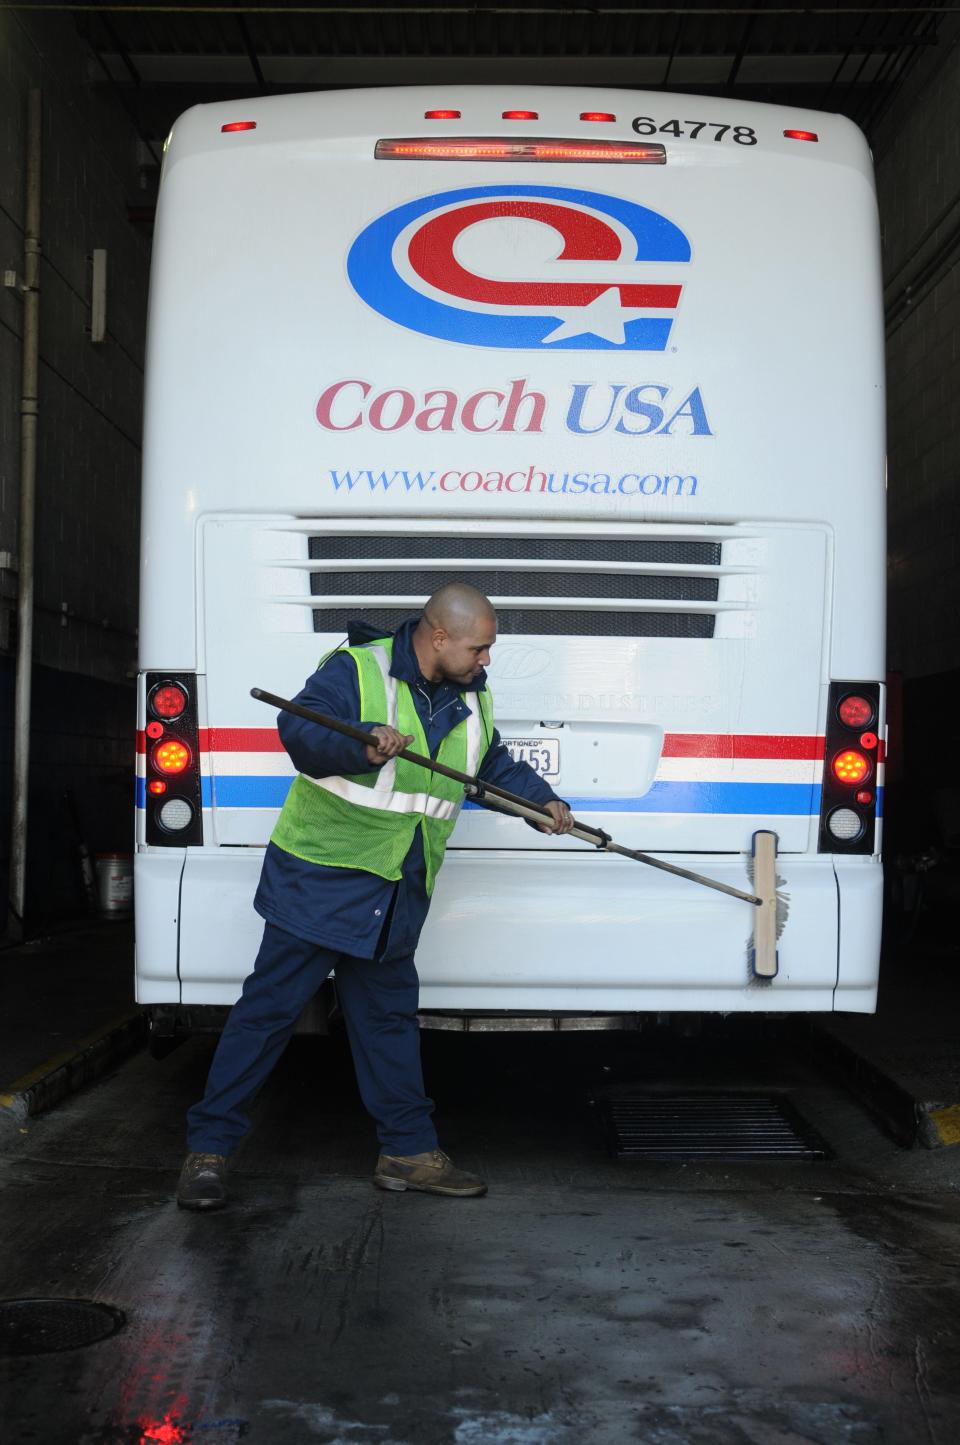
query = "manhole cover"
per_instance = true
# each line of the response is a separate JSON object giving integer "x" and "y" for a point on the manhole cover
{"x": 648, "y": 1124}
{"x": 43, "y": 1326}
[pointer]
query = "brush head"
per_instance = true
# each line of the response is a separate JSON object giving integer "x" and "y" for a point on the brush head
{"x": 771, "y": 915}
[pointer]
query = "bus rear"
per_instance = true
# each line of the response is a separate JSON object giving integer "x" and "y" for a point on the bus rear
{"x": 614, "y": 358}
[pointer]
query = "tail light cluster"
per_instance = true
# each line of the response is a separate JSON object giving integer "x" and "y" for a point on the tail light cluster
{"x": 848, "y": 808}
{"x": 172, "y": 743}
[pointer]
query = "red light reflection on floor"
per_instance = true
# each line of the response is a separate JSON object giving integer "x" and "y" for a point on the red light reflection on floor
{"x": 162, "y": 1432}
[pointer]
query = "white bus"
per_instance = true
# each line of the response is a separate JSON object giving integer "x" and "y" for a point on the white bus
{"x": 616, "y": 358}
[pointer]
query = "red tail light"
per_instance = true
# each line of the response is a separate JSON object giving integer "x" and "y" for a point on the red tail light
{"x": 596, "y": 115}
{"x": 167, "y": 701}
{"x": 801, "y": 135}
{"x": 855, "y": 711}
{"x": 441, "y": 115}
{"x": 238, "y": 125}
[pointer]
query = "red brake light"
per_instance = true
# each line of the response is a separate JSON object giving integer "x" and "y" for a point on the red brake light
{"x": 850, "y": 767}
{"x": 238, "y": 125}
{"x": 168, "y": 700}
{"x": 441, "y": 115}
{"x": 521, "y": 115}
{"x": 157, "y": 786}
{"x": 596, "y": 115}
{"x": 801, "y": 135}
{"x": 483, "y": 148}
{"x": 171, "y": 757}
{"x": 855, "y": 711}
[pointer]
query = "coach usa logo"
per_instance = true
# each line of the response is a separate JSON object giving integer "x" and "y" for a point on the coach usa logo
{"x": 542, "y": 268}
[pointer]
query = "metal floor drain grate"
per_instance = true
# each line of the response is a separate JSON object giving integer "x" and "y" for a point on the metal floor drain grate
{"x": 650, "y": 1124}
{"x": 44, "y": 1326}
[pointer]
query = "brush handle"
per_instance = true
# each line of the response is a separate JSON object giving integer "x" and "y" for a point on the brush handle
{"x": 585, "y": 834}
{"x": 504, "y": 801}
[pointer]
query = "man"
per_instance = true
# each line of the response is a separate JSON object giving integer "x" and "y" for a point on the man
{"x": 347, "y": 879}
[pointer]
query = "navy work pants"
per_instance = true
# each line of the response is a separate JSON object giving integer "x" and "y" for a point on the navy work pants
{"x": 379, "y": 999}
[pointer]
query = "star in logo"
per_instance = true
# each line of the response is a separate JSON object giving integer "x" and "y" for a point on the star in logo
{"x": 603, "y": 317}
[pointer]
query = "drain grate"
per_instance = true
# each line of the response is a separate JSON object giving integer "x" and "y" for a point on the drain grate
{"x": 44, "y": 1326}
{"x": 649, "y": 1124}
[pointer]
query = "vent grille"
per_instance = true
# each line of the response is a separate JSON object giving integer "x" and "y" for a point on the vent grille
{"x": 567, "y": 623}
{"x": 533, "y": 584}
{"x": 615, "y": 580}
{"x": 377, "y": 547}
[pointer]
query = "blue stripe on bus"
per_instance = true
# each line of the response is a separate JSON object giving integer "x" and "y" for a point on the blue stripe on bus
{"x": 795, "y": 799}
{"x": 784, "y": 799}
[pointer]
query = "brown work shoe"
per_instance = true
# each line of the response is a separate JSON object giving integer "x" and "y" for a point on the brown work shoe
{"x": 202, "y": 1183}
{"x": 431, "y": 1173}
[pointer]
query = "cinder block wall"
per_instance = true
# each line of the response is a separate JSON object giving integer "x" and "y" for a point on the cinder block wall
{"x": 89, "y": 456}
{"x": 917, "y": 153}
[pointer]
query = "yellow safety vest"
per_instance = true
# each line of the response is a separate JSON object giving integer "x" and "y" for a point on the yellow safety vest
{"x": 369, "y": 820}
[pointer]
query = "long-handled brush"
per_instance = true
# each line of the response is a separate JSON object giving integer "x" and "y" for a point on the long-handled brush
{"x": 771, "y": 910}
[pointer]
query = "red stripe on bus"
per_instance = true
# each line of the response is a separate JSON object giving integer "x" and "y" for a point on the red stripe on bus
{"x": 675, "y": 745}
{"x": 743, "y": 745}
{"x": 240, "y": 740}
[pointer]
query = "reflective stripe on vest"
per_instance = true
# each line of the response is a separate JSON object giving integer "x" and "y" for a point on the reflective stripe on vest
{"x": 385, "y": 799}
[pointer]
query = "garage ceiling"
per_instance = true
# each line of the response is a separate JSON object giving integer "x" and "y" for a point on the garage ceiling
{"x": 162, "y": 57}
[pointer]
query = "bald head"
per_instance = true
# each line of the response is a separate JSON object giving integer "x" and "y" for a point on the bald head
{"x": 457, "y": 608}
{"x": 455, "y": 634}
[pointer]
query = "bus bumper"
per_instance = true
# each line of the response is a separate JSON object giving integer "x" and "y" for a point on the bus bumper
{"x": 572, "y": 932}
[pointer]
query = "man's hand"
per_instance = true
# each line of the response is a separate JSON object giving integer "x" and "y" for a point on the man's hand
{"x": 562, "y": 818}
{"x": 388, "y": 744}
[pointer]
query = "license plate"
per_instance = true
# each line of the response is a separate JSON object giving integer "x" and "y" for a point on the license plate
{"x": 542, "y": 754}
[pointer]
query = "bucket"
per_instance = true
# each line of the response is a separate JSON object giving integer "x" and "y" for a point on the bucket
{"x": 115, "y": 884}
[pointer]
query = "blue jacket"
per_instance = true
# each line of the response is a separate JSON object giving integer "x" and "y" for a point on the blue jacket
{"x": 345, "y": 909}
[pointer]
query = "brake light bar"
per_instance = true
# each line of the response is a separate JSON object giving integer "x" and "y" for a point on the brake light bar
{"x": 238, "y": 125}
{"x": 494, "y": 148}
{"x": 801, "y": 135}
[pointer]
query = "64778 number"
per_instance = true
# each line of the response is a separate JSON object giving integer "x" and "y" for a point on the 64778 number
{"x": 743, "y": 135}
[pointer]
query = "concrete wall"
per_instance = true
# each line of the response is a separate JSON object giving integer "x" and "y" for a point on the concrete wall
{"x": 917, "y": 152}
{"x": 89, "y": 453}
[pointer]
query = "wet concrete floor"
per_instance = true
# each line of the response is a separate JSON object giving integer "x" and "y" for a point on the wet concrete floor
{"x": 582, "y": 1299}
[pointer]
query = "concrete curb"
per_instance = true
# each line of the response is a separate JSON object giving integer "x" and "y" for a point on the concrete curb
{"x": 63, "y": 1074}
{"x": 910, "y": 1121}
